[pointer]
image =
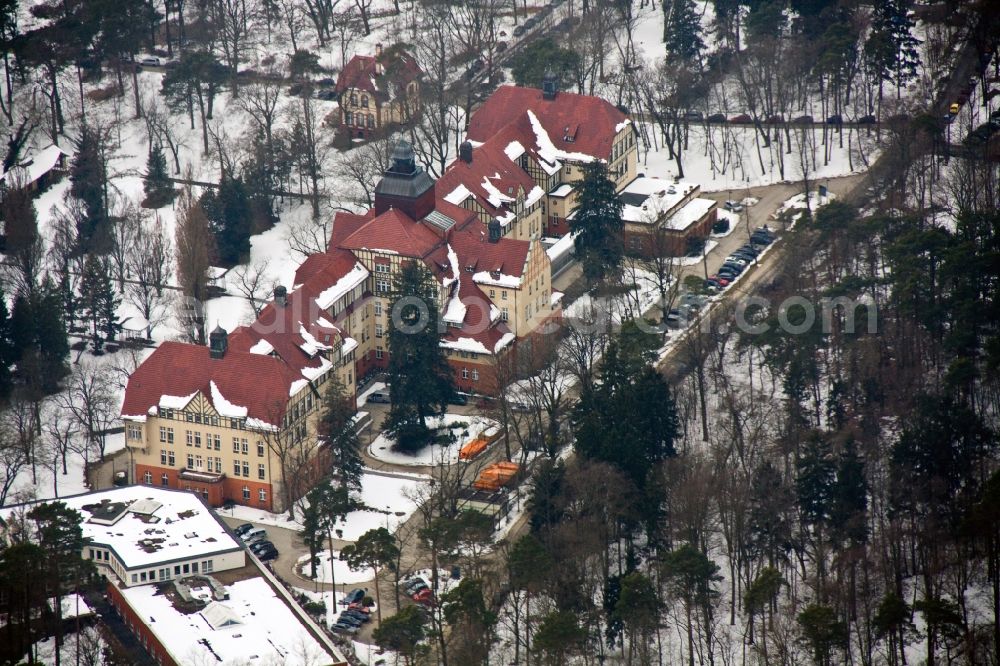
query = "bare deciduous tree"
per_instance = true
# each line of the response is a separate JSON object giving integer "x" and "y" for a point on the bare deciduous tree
{"x": 149, "y": 269}
{"x": 254, "y": 283}
{"x": 90, "y": 398}
{"x": 194, "y": 251}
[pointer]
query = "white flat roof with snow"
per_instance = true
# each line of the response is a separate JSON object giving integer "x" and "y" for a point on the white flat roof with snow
{"x": 259, "y": 628}
{"x": 661, "y": 196}
{"x": 692, "y": 211}
{"x": 180, "y": 528}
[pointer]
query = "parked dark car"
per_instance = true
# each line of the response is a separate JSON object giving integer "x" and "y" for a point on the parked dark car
{"x": 519, "y": 30}
{"x": 263, "y": 544}
{"x": 268, "y": 555}
{"x": 835, "y": 120}
{"x": 866, "y": 120}
{"x": 776, "y": 119}
{"x": 326, "y": 82}
{"x": 242, "y": 529}
{"x": 803, "y": 120}
{"x": 353, "y": 597}
{"x": 458, "y": 399}
{"x": 327, "y": 94}
{"x": 693, "y": 115}
{"x": 716, "y": 118}
{"x": 741, "y": 119}
{"x": 345, "y": 628}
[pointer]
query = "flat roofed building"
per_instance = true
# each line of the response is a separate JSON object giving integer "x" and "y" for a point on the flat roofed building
{"x": 140, "y": 535}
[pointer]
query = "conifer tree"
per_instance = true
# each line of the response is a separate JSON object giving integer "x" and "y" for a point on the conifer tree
{"x": 891, "y": 50}
{"x": 598, "y": 224}
{"x": 228, "y": 211}
{"x": 88, "y": 178}
{"x": 158, "y": 188}
{"x": 7, "y": 357}
{"x": 337, "y": 426}
{"x": 418, "y": 373}
{"x": 682, "y": 32}
{"x": 98, "y": 300}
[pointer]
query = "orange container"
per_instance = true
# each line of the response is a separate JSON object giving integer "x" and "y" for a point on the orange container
{"x": 473, "y": 448}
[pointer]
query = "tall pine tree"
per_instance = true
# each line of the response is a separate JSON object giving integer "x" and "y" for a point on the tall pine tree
{"x": 418, "y": 373}
{"x": 598, "y": 223}
{"x": 337, "y": 426}
{"x": 228, "y": 211}
{"x": 158, "y": 188}
{"x": 98, "y": 301}
{"x": 682, "y": 33}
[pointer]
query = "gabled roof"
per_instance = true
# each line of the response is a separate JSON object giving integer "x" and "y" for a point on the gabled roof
{"x": 361, "y": 72}
{"x": 492, "y": 177}
{"x": 393, "y": 232}
{"x": 574, "y": 123}
{"x": 177, "y": 369}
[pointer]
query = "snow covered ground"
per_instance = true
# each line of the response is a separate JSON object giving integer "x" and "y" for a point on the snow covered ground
{"x": 636, "y": 300}
{"x": 462, "y": 430}
{"x": 341, "y": 573}
{"x": 390, "y": 501}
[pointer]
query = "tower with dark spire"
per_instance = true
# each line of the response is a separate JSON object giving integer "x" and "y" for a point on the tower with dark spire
{"x": 405, "y": 185}
{"x": 549, "y": 84}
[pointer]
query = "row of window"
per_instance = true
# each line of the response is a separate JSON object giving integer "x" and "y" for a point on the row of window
{"x": 147, "y": 478}
{"x": 354, "y": 100}
{"x": 475, "y": 374}
{"x": 242, "y": 468}
{"x": 359, "y": 119}
{"x": 207, "y": 566}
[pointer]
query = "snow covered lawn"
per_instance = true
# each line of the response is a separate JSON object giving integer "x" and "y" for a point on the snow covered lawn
{"x": 388, "y": 498}
{"x": 342, "y": 574}
{"x": 463, "y": 430}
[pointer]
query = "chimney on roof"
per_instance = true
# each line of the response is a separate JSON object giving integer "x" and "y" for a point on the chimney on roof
{"x": 280, "y": 296}
{"x": 549, "y": 88}
{"x": 494, "y": 230}
{"x": 218, "y": 342}
{"x": 465, "y": 152}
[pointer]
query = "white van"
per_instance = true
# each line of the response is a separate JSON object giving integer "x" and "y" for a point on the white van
{"x": 256, "y": 534}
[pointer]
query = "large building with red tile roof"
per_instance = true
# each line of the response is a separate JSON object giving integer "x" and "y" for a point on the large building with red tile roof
{"x": 548, "y": 135}
{"x": 378, "y": 91}
{"x": 236, "y": 421}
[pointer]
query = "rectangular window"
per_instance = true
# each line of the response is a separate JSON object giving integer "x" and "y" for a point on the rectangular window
{"x": 170, "y": 435}
{"x": 170, "y": 458}
{"x": 135, "y": 578}
{"x": 217, "y": 442}
{"x": 260, "y": 449}
{"x": 503, "y": 295}
{"x": 177, "y": 570}
{"x": 207, "y": 566}
{"x": 260, "y": 471}
{"x": 378, "y": 352}
{"x": 194, "y": 567}
{"x": 246, "y": 469}
{"x": 218, "y": 465}
{"x": 493, "y": 293}
{"x": 190, "y": 461}
{"x": 236, "y": 468}
{"x": 188, "y": 437}
{"x": 378, "y": 308}
{"x": 262, "y": 494}
{"x": 244, "y": 447}
{"x": 163, "y": 434}
{"x": 198, "y": 462}
{"x": 505, "y": 314}
{"x": 378, "y": 330}
{"x": 189, "y": 417}
{"x": 135, "y": 432}
{"x": 186, "y": 568}
{"x": 236, "y": 444}
{"x": 197, "y": 440}
{"x": 164, "y": 480}
{"x": 167, "y": 414}
{"x": 163, "y": 457}
{"x": 465, "y": 373}
{"x": 382, "y": 285}
{"x": 246, "y": 492}
{"x": 475, "y": 375}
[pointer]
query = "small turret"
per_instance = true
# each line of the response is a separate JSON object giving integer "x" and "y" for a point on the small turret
{"x": 218, "y": 342}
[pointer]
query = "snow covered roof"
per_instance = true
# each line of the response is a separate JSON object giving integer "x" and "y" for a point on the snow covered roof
{"x": 398, "y": 69}
{"x": 692, "y": 211}
{"x": 36, "y": 166}
{"x": 569, "y": 126}
{"x": 648, "y": 200}
{"x": 254, "y": 623}
{"x": 181, "y": 528}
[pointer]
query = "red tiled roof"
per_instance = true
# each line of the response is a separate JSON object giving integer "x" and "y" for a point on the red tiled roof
{"x": 345, "y": 224}
{"x": 473, "y": 248}
{"x": 395, "y": 231}
{"x": 591, "y": 119}
{"x": 259, "y": 383}
{"x": 489, "y": 163}
{"x": 399, "y": 69}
